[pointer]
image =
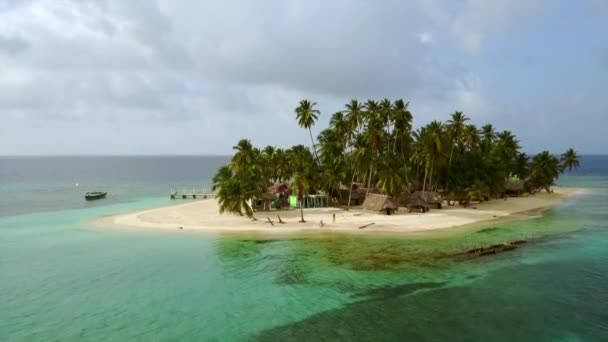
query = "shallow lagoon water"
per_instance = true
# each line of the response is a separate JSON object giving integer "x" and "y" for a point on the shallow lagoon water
{"x": 62, "y": 279}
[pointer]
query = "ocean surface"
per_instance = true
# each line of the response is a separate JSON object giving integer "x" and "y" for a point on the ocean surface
{"x": 61, "y": 279}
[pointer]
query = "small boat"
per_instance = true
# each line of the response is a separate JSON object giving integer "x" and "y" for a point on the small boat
{"x": 90, "y": 196}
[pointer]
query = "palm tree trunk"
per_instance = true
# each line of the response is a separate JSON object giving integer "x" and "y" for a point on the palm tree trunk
{"x": 431, "y": 176}
{"x": 407, "y": 182}
{"x": 395, "y": 144}
{"x": 350, "y": 190}
{"x": 447, "y": 182}
{"x": 388, "y": 140}
{"x": 314, "y": 149}
{"x": 426, "y": 170}
{"x": 369, "y": 180}
{"x": 301, "y": 211}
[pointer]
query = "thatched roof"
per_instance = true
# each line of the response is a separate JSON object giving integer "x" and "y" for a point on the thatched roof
{"x": 421, "y": 198}
{"x": 355, "y": 194}
{"x": 514, "y": 185}
{"x": 375, "y": 202}
{"x": 416, "y": 200}
{"x": 430, "y": 197}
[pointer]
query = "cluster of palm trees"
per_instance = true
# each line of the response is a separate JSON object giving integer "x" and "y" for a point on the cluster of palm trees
{"x": 252, "y": 170}
{"x": 373, "y": 145}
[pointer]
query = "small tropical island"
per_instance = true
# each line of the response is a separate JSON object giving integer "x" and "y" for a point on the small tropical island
{"x": 371, "y": 171}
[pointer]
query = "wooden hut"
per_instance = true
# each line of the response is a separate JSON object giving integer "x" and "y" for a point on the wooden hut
{"x": 423, "y": 200}
{"x": 264, "y": 201}
{"x": 379, "y": 203}
{"x": 514, "y": 187}
{"x": 356, "y": 196}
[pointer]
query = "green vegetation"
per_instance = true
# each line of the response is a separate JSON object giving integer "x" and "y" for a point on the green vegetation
{"x": 373, "y": 145}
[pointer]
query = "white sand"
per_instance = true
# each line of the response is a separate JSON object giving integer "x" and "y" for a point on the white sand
{"x": 203, "y": 215}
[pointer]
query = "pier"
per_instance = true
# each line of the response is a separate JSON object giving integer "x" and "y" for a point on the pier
{"x": 192, "y": 193}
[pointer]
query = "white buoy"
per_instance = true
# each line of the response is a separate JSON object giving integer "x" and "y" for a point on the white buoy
{"x": 76, "y": 184}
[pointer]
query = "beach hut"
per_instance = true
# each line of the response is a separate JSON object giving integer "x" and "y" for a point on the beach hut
{"x": 514, "y": 186}
{"x": 416, "y": 201}
{"x": 264, "y": 201}
{"x": 423, "y": 200}
{"x": 379, "y": 203}
{"x": 357, "y": 196}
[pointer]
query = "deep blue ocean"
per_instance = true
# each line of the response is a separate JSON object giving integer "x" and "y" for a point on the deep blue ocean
{"x": 62, "y": 279}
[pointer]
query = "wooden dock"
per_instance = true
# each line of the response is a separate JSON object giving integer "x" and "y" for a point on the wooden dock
{"x": 191, "y": 194}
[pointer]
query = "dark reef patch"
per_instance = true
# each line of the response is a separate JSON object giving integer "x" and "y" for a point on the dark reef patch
{"x": 489, "y": 230}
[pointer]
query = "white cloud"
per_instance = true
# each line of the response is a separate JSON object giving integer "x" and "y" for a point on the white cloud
{"x": 232, "y": 68}
{"x": 425, "y": 37}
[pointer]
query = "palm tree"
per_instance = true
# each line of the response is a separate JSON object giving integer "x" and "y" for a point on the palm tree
{"x": 386, "y": 117}
{"x": 403, "y": 124}
{"x": 521, "y": 165}
{"x": 234, "y": 193}
{"x": 307, "y": 115}
{"x": 354, "y": 115}
{"x": 434, "y": 144}
{"x": 402, "y": 127}
{"x": 506, "y": 149}
{"x": 471, "y": 136}
{"x": 488, "y": 132}
{"x": 332, "y": 175}
{"x": 223, "y": 173}
{"x": 301, "y": 178}
{"x": 244, "y": 157}
{"x": 389, "y": 176}
{"x": 363, "y": 154}
{"x": 489, "y": 135}
{"x": 419, "y": 156}
{"x": 341, "y": 126}
{"x": 269, "y": 162}
{"x": 375, "y": 132}
{"x": 354, "y": 118}
{"x": 456, "y": 127}
{"x": 544, "y": 169}
{"x": 569, "y": 160}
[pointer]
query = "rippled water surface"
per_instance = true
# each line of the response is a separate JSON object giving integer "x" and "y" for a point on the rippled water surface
{"x": 61, "y": 279}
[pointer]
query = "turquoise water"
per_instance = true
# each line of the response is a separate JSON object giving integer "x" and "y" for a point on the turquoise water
{"x": 62, "y": 279}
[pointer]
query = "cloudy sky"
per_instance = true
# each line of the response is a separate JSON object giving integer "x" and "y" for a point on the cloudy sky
{"x": 193, "y": 76}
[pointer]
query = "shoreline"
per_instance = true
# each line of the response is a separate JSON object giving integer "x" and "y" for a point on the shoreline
{"x": 204, "y": 216}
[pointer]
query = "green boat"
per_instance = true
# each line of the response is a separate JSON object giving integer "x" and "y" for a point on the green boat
{"x": 90, "y": 196}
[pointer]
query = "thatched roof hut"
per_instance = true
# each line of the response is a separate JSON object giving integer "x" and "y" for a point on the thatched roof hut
{"x": 431, "y": 197}
{"x": 423, "y": 200}
{"x": 356, "y": 196}
{"x": 514, "y": 186}
{"x": 376, "y": 202}
{"x": 264, "y": 201}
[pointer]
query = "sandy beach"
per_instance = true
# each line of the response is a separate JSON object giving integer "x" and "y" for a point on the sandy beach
{"x": 203, "y": 215}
